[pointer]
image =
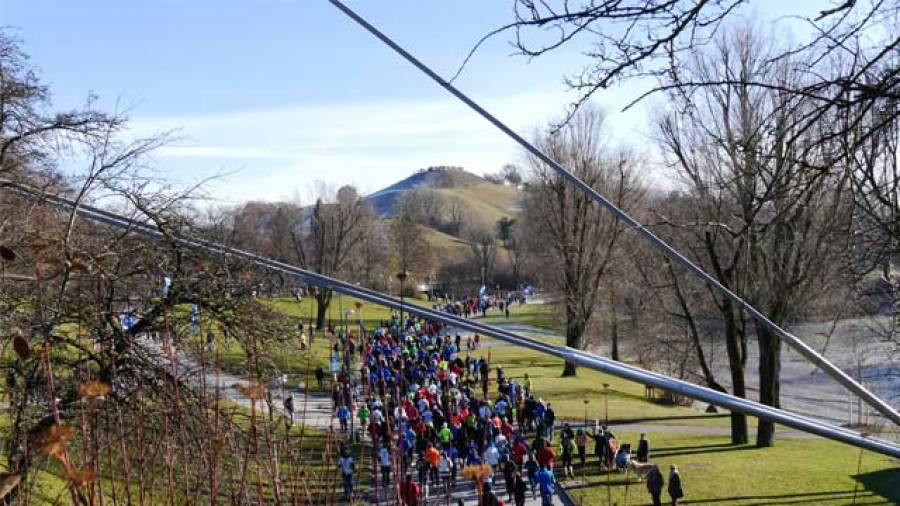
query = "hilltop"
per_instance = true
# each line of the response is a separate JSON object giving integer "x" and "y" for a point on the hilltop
{"x": 490, "y": 200}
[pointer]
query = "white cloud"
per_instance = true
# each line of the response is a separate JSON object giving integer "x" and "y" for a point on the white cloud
{"x": 272, "y": 154}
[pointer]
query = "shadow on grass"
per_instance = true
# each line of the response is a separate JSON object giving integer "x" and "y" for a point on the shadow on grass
{"x": 885, "y": 483}
{"x": 698, "y": 450}
{"x": 695, "y": 447}
{"x": 783, "y": 499}
{"x": 620, "y": 421}
{"x": 843, "y": 497}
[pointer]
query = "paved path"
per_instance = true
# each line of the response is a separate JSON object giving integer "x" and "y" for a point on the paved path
{"x": 465, "y": 490}
{"x": 314, "y": 409}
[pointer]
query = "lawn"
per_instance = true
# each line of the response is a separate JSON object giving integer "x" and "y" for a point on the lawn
{"x": 543, "y": 316}
{"x": 795, "y": 471}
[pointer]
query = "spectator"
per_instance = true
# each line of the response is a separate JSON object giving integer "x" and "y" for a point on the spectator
{"x": 655, "y": 485}
{"x": 643, "y": 449}
{"x": 601, "y": 447}
{"x": 675, "y": 491}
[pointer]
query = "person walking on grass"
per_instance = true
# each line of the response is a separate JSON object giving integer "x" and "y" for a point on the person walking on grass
{"x": 675, "y": 490}
{"x": 655, "y": 484}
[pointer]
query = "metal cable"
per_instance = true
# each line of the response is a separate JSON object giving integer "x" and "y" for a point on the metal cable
{"x": 808, "y": 352}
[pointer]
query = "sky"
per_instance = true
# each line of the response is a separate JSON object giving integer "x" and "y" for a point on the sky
{"x": 274, "y": 97}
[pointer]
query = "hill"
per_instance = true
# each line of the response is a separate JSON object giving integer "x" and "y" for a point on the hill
{"x": 481, "y": 197}
{"x": 457, "y": 198}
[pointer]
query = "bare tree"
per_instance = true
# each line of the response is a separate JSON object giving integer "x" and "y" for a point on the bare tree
{"x": 638, "y": 38}
{"x": 330, "y": 238}
{"x": 457, "y": 216}
{"x": 768, "y": 228}
{"x": 370, "y": 264}
{"x": 423, "y": 205}
{"x": 409, "y": 247}
{"x": 483, "y": 248}
{"x": 575, "y": 239}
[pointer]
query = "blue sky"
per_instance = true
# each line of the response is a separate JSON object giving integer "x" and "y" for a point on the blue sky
{"x": 279, "y": 94}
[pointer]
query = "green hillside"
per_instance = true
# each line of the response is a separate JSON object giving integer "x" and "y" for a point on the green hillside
{"x": 486, "y": 200}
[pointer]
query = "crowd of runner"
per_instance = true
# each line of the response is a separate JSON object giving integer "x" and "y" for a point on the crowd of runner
{"x": 437, "y": 414}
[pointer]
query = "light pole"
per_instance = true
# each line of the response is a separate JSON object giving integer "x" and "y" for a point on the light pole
{"x": 362, "y": 329}
{"x": 347, "y": 314}
{"x": 606, "y": 404}
{"x": 402, "y": 275}
{"x": 583, "y": 461}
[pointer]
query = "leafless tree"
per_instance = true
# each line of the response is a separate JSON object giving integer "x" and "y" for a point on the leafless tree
{"x": 766, "y": 226}
{"x": 330, "y": 238}
{"x": 652, "y": 39}
{"x": 573, "y": 238}
{"x": 370, "y": 264}
{"x": 483, "y": 249}
{"x": 457, "y": 216}
{"x": 423, "y": 205}
{"x": 409, "y": 247}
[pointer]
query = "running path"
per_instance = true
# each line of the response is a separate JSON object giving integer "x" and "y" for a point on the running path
{"x": 314, "y": 410}
{"x": 464, "y": 491}
{"x": 317, "y": 413}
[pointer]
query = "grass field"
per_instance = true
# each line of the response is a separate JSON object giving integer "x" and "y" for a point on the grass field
{"x": 487, "y": 202}
{"x": 808, "y": 471}
{"x": 543, "y": 316}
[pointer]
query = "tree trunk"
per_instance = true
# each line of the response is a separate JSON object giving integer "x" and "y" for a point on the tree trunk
{"x": 739, "y": 432}
{"x": 574, "y": 339}
{"x": 323, "y": 300}
{"x": 736, "y": 366}
{"x": 769, "y": 382}
{"x": 614, "y": 335}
